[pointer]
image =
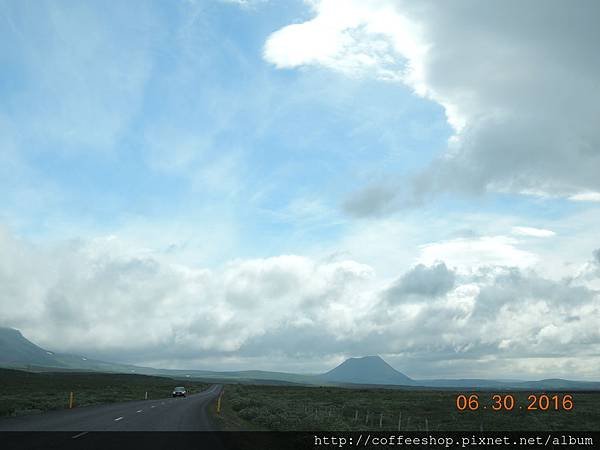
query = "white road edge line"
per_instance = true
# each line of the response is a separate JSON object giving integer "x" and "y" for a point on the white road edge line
{"x": 118, "y": 418}
{"x": 79, "y": 435}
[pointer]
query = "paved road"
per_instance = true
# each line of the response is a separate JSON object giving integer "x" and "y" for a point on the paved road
{"x": 170, "y": 414}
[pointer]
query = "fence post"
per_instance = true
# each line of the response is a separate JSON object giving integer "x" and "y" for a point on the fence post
{"x": 380, "y": 419}
{"x": 426, "y": 425}
{"x": 146, "y": 396}
{"x": 356, "y": 416}
{"x": 399, "y": 420}
{"x": 367, "y": 418}
{"x": 70, "y": 400}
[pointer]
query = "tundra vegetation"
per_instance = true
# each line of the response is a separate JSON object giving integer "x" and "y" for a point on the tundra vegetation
{"x": 281, "y": 408}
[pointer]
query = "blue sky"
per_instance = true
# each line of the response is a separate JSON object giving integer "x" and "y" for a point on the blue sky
{"x": 143, "y": 127}
{"x": 247, "y": 146}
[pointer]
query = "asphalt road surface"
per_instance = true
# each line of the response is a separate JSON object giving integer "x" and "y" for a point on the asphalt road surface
{"x": 169, "y": 414}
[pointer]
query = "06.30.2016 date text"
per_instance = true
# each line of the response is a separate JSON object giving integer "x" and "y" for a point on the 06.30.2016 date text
{"x": 509, "y": 402}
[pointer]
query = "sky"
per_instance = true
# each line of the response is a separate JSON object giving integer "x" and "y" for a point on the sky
{"x": 254, "y": 184}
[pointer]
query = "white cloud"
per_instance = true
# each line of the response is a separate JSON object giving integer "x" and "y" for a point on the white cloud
{"x": 468, "y": 254}
{"x": 354, "y": 37}
{"x": 533, "y": 232}
{"x": 517, "y": 83}
{"x": 87, "y": 296}
{"x": 242, "y": 3}
{"x": 393, "y": 244}
{"x": 586, "y": 197}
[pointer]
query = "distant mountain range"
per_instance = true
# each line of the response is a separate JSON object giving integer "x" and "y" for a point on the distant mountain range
{"x": 19, "y": 353}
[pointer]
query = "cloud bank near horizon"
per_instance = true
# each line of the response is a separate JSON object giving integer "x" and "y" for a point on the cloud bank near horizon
{"x": 90, "y": 297}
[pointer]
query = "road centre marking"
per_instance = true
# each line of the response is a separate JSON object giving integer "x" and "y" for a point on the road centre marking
{"x": 139, "y": 410}
{"x": 79, "y": 435}
{"x": 118, "y": 418}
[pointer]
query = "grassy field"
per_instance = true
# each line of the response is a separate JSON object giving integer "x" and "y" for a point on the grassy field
{"x": 27, "y": 393}
{"x": 251, "y": 407}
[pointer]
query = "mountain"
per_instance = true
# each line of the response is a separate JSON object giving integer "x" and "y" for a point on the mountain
{"x": 19, "y": 353}
{"x": 366, "y": 370}
{"x": 15, "y": 349}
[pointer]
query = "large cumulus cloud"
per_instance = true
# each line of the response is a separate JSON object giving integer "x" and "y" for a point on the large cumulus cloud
{"x": 100, "y": 298}
{"x": 92, "y": 296}
{"x": 518, "y": 82}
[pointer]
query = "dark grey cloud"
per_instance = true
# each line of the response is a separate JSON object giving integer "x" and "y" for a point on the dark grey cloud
{"x": 515, "y": 287}
{"x": 519, "y": 84}
{"x": 596, "y": 255}
{"x": 523, "y": 76}
{"x": 423, "y": 281}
